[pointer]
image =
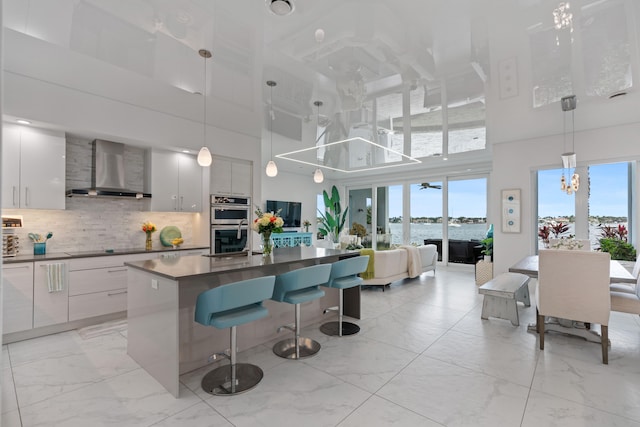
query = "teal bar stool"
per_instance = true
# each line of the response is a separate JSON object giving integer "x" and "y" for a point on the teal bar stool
{"x": 344, "y": 275}
{"x": 296, "y": 287}
{"x": 228, "y": 306}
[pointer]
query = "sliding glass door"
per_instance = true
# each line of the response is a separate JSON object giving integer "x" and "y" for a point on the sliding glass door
{"x": 412, "y": 213}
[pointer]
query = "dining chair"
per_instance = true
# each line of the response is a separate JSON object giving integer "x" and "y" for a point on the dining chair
{"x": 627, "y": 302}
{"x": 574, "y": 285}
{"x": 628, "y": 288}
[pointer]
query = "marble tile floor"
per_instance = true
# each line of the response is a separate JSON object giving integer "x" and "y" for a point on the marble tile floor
{"x": 423, "y": 358}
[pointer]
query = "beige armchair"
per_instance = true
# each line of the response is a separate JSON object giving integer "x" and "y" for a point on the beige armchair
{"x": 574, "y": 285}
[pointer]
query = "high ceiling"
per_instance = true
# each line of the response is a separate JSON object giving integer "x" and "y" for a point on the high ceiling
{"x": 348, "y": 52}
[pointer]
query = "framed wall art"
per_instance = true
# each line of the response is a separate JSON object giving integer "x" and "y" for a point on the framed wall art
{"x": 511, "y": 211}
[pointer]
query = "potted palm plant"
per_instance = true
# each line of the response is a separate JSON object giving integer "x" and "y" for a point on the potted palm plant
{"x": 333, "y": 219}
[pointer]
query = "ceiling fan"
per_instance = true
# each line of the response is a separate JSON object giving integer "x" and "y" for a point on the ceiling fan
{"x": 426, "y": 185}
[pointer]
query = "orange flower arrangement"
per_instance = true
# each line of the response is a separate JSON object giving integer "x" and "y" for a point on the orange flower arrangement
{"x": 148, "y": 227}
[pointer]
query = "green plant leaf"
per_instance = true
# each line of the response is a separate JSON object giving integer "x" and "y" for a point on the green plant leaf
{"x": 327, "y": 201}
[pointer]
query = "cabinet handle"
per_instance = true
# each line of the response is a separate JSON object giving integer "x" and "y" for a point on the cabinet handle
{"x": 116, "y": 293}
{"x": 181, "y": 203}
{"x": 14, "y": 195}
{"x": 115, "y": 271}
{"x": 26, "y": 196}
{"x": 6, "y": 267}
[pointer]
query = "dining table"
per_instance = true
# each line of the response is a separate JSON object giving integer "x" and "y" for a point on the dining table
{"x": 529, "y": 266}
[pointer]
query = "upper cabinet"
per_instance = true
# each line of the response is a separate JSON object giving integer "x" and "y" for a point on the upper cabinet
{"x": 231, "y": 176}
{"x": 176, "y": 182}
{"x": 33, "y": 168}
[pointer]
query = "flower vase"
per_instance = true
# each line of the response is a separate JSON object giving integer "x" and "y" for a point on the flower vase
{"x": 148, "y": 245}
{"x": 267, "y": 245}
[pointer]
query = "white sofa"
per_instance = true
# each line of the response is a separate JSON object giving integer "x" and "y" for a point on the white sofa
{"x": 401, "y": 263}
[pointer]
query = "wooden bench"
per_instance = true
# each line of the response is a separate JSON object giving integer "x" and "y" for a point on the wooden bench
{"x": 501, "y": 296}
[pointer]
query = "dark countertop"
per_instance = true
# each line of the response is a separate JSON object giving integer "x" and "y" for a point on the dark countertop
{"x": 87, "y": 254}
{"x": 192, "y": 266}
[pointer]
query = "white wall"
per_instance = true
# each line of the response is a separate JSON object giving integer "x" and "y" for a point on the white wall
{"x": 293, "y": 188}
{"x": 514, "y": 162}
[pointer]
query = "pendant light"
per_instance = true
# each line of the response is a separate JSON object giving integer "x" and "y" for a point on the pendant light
{"x": 204, "y": 155}
{"x": 568, "y": 103}
{"x": 272, "y": 169}
{"x": 318, "y": 176}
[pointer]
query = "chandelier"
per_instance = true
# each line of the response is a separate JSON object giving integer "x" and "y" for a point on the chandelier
{"x": 568, "y": 103}
{"x": 562, "y": 17}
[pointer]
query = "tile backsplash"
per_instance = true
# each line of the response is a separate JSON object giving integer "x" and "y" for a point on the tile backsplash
{"x": 97, "y": 224}
{"x": 100, "y": 224}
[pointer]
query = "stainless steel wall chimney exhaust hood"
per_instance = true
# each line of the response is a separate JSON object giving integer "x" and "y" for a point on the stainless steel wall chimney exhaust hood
{"x": 107, "y": 173}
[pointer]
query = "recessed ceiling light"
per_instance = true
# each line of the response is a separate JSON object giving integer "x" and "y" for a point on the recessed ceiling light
{"x": 186, "y": 151}
{"x": 280, "y": 7}
{"x": 319, "y": 35}
{"x": 445, "y": 158}
{"x": 23, "y": 122}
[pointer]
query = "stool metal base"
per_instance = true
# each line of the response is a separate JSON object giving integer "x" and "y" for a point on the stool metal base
{"x": 332, "y": 328}
{"x": 287, "y": 348}
{"x": 218, "y": 381}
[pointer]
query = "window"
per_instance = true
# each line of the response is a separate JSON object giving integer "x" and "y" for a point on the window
{"x": 426, "y": 212}
{"x": 467, "y": 209}
{"x": 554, "y": 206}
{"x": 389, "y": 206}
{"x": 607, "y": 189}
{"x": 360, "y": 205}
{"x": 609, "y": 201}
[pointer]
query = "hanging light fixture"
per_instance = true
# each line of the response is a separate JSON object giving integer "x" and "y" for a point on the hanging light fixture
{"x": 318, "y": 176}
{"x": 272, "y": 169}
{"x": 569, "y": 161}
{"x": 204, "y": 155}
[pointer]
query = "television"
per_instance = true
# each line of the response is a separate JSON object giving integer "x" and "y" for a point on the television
{"x": 290, "y": 212}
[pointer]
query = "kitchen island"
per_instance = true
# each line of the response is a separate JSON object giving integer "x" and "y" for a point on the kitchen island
{"x": 162, "y": 335}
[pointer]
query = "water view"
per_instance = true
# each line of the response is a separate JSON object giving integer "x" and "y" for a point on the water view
{"x": 420, "y": 231}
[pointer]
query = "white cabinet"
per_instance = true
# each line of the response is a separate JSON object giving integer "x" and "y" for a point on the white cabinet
{"x": 33, "y": 168}
{"x": 230, "y": 176}
{"x": 49, "y": 308}
{"x": 241, "y": 178}
{"x": 98, "y": 286}
{"x": 17, "y": 288}
{"x": 220, "y": 178}
{"x": 176, "y": 182}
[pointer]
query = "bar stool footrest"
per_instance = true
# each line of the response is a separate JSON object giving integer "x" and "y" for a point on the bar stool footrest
{"x": 218, "y": 381}
{"x": 332, "y": 328}
{"x": 287, "y": 348}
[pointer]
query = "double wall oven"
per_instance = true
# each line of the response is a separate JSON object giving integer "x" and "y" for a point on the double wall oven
{"x": 230, "y": 218}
